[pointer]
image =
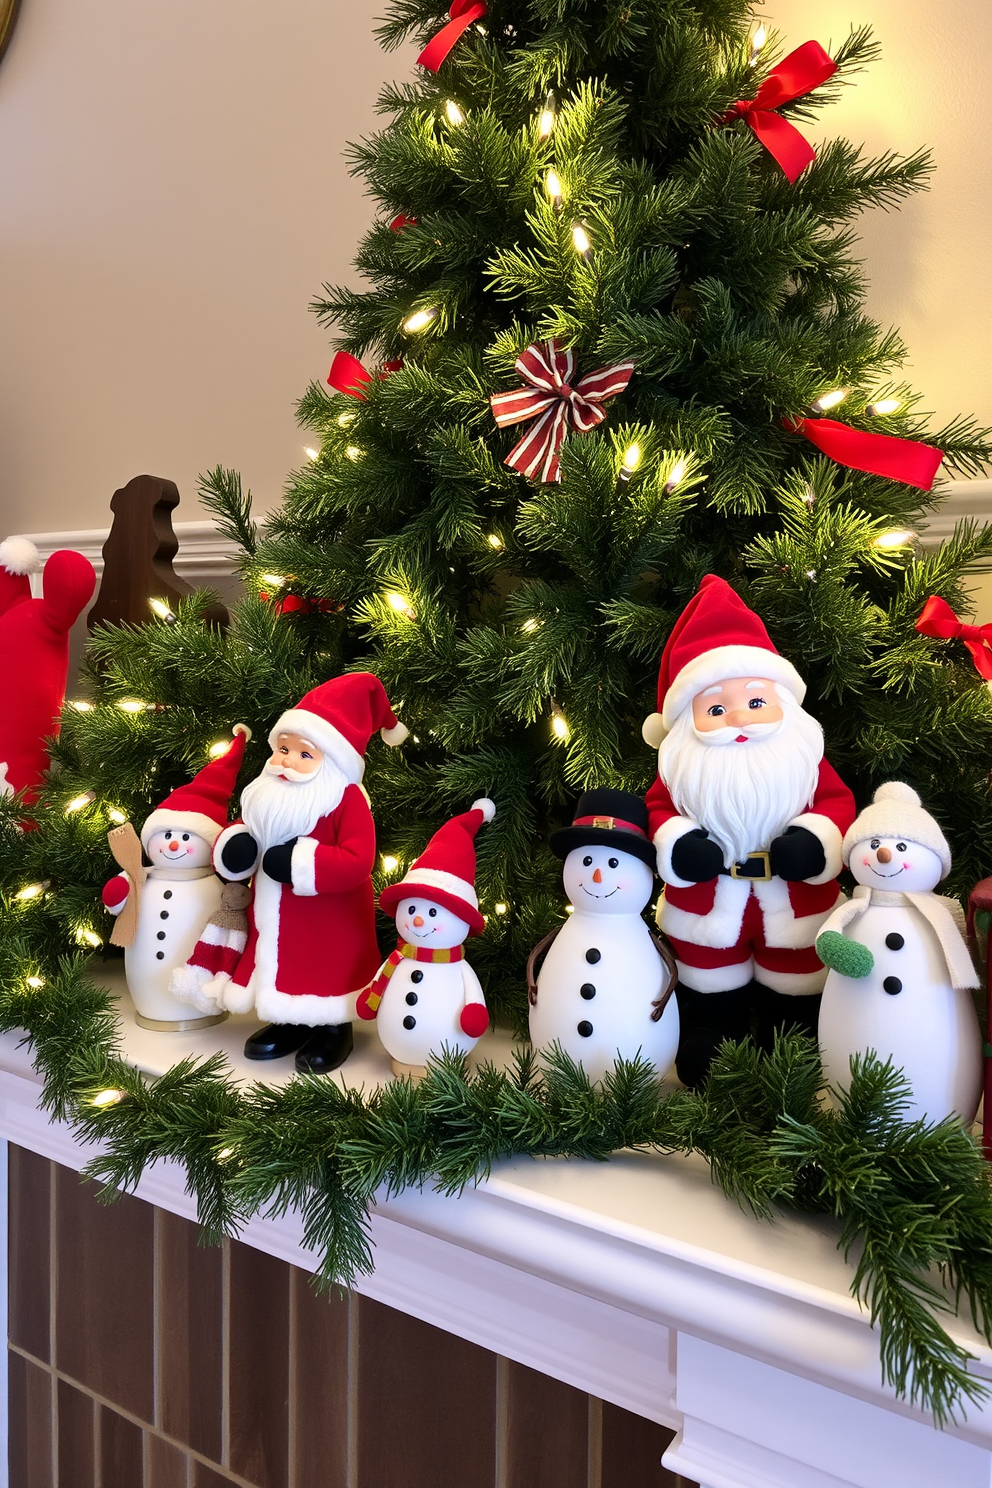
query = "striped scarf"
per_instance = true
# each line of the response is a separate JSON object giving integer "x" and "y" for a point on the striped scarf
{"x": 406, "y": 952}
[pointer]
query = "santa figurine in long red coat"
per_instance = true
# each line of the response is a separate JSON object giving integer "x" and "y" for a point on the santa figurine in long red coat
{"x": 308, "y": 840}
{"x": 748, "y": 819}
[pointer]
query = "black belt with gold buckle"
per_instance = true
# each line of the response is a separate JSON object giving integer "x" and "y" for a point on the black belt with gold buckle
{"x": 757, "y": 867}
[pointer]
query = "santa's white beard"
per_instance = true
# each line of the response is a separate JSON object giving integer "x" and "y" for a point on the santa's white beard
{"x": 276, "y": 810}
{"x": 745, "y": 795}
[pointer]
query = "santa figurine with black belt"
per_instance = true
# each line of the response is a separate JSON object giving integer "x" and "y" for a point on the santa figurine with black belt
{"x": 748, "y": 819}
{"x": 308, "y": 841}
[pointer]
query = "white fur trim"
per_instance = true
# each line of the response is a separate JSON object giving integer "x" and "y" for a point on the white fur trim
{"x": 234, "y": 830}
{"x": 303, "y": 867}
{"x": 828, "y": 835}
{"x": 6, "y": 786}
{"x": 664, "y": 840}
{"x": 18, "y": 555}
{"x": 236, "y": 999}
{"x": 319, "y": 1012}
{"x": 241, "y": 728}
{"x": 395, "y": 735}
{"x": 487, "y": 807}
{"x": 718, "y": 930}
{"x": 791, "y": 983}
{"x": 189, "y": 984}
{"x": 716, "y": 978}
{"x": 163, "y": 818}
{"x": 326, "y": 737}
{"x": 653, "y": 730}
{"x": 722, "y": 662}
{"x": 436, "y": 878}
{"x": 783, "y": 929}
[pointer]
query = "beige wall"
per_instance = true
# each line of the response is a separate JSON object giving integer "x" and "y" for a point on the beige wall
{"x": 172, "y": 194}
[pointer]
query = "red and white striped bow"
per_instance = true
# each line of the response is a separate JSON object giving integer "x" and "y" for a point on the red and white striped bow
{"x": 555, "y": 404}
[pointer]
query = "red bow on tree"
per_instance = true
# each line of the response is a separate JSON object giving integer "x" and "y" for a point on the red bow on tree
{"x": 347, "y": 375}
{"x": 905, "y": 460}
{"x": 939, "y": 620}
{"x": 555, "y": 405}
{"x": 462, "y": 13}
{"x": 798, "y": 73}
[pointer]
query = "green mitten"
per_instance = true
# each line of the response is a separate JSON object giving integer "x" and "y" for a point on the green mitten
{"x": 848, "y": 957}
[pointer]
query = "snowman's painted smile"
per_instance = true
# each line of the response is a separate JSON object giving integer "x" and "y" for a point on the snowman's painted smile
{"x": 423, "y": 934}
{"x": 174, "y": 857}
{"x": 599, "y": 896}
{"x": 888, "y": 875}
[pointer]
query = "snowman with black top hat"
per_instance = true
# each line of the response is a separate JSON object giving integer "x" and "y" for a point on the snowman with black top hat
{"x": 604, "y": 989}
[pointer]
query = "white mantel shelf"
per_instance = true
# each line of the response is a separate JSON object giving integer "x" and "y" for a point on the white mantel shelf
{"x": 635, "y": 1280}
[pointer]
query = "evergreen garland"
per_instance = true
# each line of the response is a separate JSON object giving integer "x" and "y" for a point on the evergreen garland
{"x": 914, "y": 1200}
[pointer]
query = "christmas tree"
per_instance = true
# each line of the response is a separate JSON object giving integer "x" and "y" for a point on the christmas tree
{"x": 586, "y": 175}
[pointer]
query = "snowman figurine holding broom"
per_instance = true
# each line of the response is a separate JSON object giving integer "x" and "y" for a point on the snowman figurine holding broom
{"x": 426, "y": 997}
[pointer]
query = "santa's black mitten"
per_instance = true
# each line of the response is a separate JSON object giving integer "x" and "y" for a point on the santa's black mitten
{"x": 239, "y": 853}
{"x": 696, "y": 857}
{"x": 278, "y": 862}
{"x": 796, "y": 855}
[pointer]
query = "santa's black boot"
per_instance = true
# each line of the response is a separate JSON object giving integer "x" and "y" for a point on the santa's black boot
{"x": 326, "y": 1049}
{"x": 705, "y": 1020}
{"x": 778, "y": 1013}
{"x": 276, "y": 1040}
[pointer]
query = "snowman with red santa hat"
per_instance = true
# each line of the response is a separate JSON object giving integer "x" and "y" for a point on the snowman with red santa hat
{"x": 307, "y": 840}
{"x": 426, "y": 997}
{"x": 180, "y": 891}
{"x": 748, "y": 818}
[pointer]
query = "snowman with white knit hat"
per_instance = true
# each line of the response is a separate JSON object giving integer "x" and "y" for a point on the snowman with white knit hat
{"x": 900, "y": 971}
{"x": 425, "y": 996}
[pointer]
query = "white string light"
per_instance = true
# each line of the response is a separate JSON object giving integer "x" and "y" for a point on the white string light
{"x": 311, "y": 453}
{"x": 35, "y": 983}
{"x": 31, "y": 891}
{"x": 548, "y": 117}
{"x": 105, "y": 1098}
{"x": 354, "y": 453}
{"x": 494, "y": 540}
{"x": 552, "y": 185}
{"x": 389, "y": 863}
{"x": 454, "y": 113}
{"x": 160, "y": 609}
{"x": 420, "y": 320}
{"x": 559, "y": 723}
{"x": 529, "y": 626}
{"x": 895, "y": 537}
{"x": 676, "y": 477}
{"x": 134, "y": 705}
{"x": 401, "y": 604}
{"x": 78, "y": 802}
{"x": 81, "y": 706}
{"x": 501, "y": 909}
{"x": 116, "y": 816}
{"x": 758, "y": 40}
{"x": 829, "y": 399}
{"x": 581, "y": 241}
{"x": 883, "y": 406}
{"x": 89, "y": 938}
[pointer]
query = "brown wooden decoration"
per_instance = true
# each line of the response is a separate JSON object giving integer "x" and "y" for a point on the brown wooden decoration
{"x": 138, "y": 555}
{"x": 8, "y": 15}
{"x": 126, "y": 848}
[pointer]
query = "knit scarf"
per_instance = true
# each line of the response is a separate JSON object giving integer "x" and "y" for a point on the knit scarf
{"x": 406, "y": 952}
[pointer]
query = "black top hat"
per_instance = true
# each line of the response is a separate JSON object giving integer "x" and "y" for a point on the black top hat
{"x": 608, "y": 818}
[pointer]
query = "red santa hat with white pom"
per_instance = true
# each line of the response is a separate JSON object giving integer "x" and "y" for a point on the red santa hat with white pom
{"x": 201, "y": 805}
{"x": 340, "y": 717}
{"x": 445, "y": 871}
{"x": 715, "y": 637}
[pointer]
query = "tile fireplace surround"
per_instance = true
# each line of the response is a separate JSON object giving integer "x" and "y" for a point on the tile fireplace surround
{"x": 563, "y": 1325}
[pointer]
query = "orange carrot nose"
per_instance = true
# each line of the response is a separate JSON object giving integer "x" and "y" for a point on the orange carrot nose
{"x": 173, "y": 846}
{"x": 598, "y": 876}
{"x": 418, "y": 920}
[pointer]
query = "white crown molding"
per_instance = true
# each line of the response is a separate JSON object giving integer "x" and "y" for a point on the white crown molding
{"x": 960, "y": 500}
{"x": 203, "y": 555}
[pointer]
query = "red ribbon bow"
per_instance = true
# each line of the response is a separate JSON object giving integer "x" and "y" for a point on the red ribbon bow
{"x": 939, "y": 620}
{"x": 905, "y": 460}
{"x": 295, "y": 604}
{"x": 462, "y": 13}
{"x": 798, "y": 73}
{"x": 347, "y": 375}
{"x": 555, "y": 405}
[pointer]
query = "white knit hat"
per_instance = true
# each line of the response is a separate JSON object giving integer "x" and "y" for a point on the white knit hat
{"x": 896, "y": 812}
